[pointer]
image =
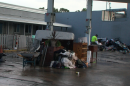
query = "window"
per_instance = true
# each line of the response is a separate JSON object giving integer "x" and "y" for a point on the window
{"x": 113, "y": 14}
{"x": 38, "y": 27}
{"x": 17, "y": 28}
{"x": 108, "y": 16}
{"x": 28, "y": 29}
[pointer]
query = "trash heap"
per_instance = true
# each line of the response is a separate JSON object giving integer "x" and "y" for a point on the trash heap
{"x": 115, "y": 45}
{"x": 67, "y": 59}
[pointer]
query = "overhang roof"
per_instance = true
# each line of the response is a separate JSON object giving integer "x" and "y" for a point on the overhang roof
{"x": 30, "y": 21}
{"x": 125, "y": 1}
{"x": 22, "y": 8}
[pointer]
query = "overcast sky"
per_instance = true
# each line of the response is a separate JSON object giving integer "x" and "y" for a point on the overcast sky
{"x": 72, "y": 5}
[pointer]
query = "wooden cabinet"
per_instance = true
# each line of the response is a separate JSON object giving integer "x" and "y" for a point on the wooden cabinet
{"x": 81, "y": 50}
{"x": 50, "y": 55}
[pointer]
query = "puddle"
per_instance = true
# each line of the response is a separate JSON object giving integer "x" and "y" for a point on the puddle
{"x": 7, "y": 70}
{"x": 11, "y": 65}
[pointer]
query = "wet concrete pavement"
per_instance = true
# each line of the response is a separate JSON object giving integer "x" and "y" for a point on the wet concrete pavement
{"x": 102, "y": 73}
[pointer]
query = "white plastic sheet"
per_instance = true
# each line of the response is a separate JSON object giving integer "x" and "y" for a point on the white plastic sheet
{"x": 88, "y": 56}
{"x": 46, "y": 34}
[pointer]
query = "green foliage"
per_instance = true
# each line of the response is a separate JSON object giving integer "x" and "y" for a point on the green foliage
{"x": 58, "y": 44}
{"x": 77, "y": 11}
{"x": 84, "y": 9}
{"x": 42, "y": 8}
{"x": 48, "y": 42}
{"x": 63, "y": 10}
{"x": 55, "y": 10}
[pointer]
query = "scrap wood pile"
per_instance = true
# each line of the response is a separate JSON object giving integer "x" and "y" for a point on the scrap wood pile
{"x": 115, "y": 45}
{"x": 67, "y": 59}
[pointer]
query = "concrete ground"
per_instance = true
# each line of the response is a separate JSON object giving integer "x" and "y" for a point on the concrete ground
{"x": 112, "y": 69}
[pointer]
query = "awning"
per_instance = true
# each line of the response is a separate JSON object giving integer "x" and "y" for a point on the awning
{"x": 31, "y": 21}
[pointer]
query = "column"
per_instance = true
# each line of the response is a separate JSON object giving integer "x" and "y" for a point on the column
{"x": 66, "y": 28}
{"x": 8, "y": 28}
{"x": 32, "y": 30}
{"x": 24, "y": 29}
{"x": 42, "y": 27}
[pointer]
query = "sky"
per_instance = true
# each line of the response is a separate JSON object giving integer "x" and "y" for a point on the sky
{"x": 71, "y": 5}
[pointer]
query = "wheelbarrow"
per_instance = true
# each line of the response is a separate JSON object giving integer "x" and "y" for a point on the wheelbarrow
{"x": 29, "y": 57}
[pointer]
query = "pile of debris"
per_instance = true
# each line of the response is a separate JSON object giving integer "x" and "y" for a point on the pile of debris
{"x": 67, "y": 59}
{"x": 115, "y": 45}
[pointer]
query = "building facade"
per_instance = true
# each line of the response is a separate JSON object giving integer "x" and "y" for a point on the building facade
{"x": 22, "y": 20}
{"x": 117, "y": 26}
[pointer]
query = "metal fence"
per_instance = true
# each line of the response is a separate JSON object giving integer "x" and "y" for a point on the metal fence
{"x": 32, "y": 43}
{"x": 17, "y": 41}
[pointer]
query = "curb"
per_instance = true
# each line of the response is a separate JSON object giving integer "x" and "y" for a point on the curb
{"x": 14, "y": 50}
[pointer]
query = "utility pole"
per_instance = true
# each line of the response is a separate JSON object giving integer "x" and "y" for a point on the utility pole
{"x": 88, "y": 20}
{"x": 50, "y": 15}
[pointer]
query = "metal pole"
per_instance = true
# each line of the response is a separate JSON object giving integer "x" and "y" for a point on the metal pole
{"x": 88, "y": 20}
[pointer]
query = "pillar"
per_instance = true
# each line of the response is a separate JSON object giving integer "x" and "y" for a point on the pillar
{"x": 7, "y": 28}
{"x": 24, "y": 29}
{"x": 32, "y": 30}
{"x": 42, "y": 27}
{"x": 66, "y": 28}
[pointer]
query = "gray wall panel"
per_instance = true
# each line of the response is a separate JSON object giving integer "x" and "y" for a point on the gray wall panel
{"x": 110, "y": 29}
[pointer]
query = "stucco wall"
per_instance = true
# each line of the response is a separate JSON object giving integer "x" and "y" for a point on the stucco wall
{"x": 76, "y": 19}
{"x": 110, "y": 29}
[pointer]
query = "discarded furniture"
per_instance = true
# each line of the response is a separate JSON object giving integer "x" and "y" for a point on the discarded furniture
{"x": 50, "y": 55}
{"x": 81, "y": 50}
{"x": 29, "y": 58}
{"x": 93, "y": 48}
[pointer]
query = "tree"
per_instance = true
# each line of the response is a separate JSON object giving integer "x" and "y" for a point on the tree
{"x": 42, "y": 8}
{"x": 55, "y": 10}
{"x": 77, "y": 11}
{"x": 84, "y": 9}
{"x": 63, "y": 10}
